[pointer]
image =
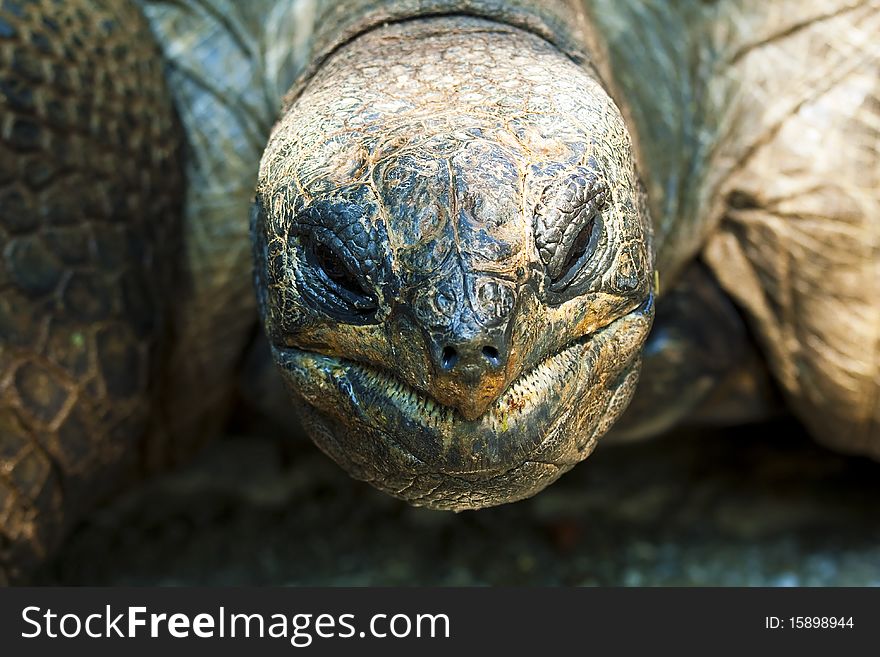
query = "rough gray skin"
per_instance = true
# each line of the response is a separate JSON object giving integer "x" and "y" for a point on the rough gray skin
{"x": 90, "y": 201}
{"x": 752, "y": 125}
{"x": 376, "y": 320}
{"x": 454, "y": 265}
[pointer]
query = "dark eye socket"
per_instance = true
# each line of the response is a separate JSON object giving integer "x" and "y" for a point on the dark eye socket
{"x": 340, "y": 279}
{"x": 568, "y": 227}
{"x": 336, "y": 269}
{"x": 582, "y": 247}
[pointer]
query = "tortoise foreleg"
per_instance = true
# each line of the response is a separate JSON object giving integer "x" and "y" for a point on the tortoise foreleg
{"x": 90, "y": 193}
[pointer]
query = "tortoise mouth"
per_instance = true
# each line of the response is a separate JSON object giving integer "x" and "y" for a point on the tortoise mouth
{"x": 577, "y": 381}
{"x": 378, "y": 386}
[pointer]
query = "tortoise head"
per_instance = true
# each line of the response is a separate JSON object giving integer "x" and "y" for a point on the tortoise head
{"x": 453, "y": 261}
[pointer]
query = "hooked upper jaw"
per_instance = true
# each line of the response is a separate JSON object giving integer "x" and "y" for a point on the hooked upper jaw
{"x": 405, "y": 442}
{"x": 457, "y": 293}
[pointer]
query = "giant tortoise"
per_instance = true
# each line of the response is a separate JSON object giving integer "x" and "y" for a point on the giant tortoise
{"x": 466, "y": 213}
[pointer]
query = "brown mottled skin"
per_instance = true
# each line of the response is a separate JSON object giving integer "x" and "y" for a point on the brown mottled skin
{"x": 460, "y": 219}
{"x": 454, "y": 192}
{"x": 90, "y": 199}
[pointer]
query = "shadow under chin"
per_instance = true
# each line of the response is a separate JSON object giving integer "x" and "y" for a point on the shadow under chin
{"x": 752, "y": 506}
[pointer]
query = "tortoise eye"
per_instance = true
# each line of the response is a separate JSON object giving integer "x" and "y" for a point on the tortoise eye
{"x": 342, "y": 287}
{"x": 337, "y": 270}
{"x": 568, "y": 225}
{"x": 580, "y": 251}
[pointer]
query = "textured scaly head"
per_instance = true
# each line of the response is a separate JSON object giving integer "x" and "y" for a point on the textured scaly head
{"x": 453, "y": 260}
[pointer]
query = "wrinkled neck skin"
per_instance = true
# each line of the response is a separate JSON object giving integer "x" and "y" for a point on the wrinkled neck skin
{"x": 456, "y": 216}
{"x": 666, "y": 64}
{"x": 671, "y": 67}
{"x": 454, "y": 261}
{"x": 454, "y": 245}
{"x": 702, "y": 86}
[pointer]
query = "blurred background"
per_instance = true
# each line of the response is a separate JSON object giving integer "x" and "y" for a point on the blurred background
{"x": 758, "y": 505}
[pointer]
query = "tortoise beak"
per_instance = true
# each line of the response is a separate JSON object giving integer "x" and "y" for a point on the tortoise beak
{"x": 471, "y": 375}
{"x": 471, "y": 391}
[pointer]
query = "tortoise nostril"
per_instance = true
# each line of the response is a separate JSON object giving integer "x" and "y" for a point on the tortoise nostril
{"x": 467, "y": 357}
{"x": 490, "y": 353}
{"x": 448, "y": 358}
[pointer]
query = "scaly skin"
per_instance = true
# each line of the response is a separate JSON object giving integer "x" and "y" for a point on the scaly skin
{"x": 454, "y": 261}
{"x": 727, "y": 90}
{"x": 228, "y": 63}
{"x": 798, "y": 247}
{"x": 90, "y": 190}
{"x": 752, "y": 124}
{"x": 757, "y": 138}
